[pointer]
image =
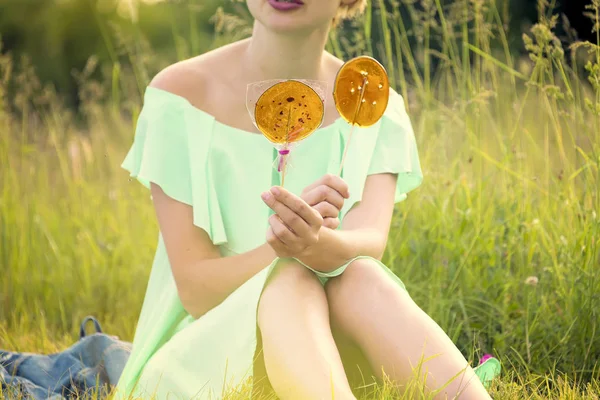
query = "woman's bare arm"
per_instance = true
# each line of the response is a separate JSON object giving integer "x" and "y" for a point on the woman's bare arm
{"x": 203, "y": 278}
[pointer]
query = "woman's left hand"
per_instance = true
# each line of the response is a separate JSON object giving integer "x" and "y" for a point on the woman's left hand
{"x": 327, "y": 196}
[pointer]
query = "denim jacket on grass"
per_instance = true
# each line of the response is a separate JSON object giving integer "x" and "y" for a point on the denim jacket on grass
{"x": 91, "y": 366}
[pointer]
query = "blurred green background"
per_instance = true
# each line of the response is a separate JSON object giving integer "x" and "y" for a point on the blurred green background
{"x": 59, "y": 36}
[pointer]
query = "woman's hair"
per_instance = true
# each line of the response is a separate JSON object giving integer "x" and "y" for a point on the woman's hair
{"x": 350, "y": 11}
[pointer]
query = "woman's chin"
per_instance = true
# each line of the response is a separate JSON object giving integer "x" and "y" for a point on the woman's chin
{"x": 289, "y": 25}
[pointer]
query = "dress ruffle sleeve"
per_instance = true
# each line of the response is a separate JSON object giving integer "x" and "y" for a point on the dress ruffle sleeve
{"x": 167, "y": 133}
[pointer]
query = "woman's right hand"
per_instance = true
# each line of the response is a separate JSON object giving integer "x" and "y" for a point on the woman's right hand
{"x": 327, "y": 196}
{"x": 295, "y": 225}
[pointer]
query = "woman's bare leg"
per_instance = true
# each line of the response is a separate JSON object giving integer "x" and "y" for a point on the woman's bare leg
{"x": 395, "y": 334}
{"x": 300, "y": 355}
{"x": 358, "y": 369}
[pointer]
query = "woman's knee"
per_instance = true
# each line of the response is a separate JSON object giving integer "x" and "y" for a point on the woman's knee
{"x": 290, "y": 275}
{"x": 289, "y": 283}
{"x": 361, "y": 275}
{"x": 364, "y": 281}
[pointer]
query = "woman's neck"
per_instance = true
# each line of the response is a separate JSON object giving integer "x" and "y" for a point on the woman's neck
{"x": 270, "y": 55}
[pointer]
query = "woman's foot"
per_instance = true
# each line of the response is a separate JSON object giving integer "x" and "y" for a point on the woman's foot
{"x": 488, "y": 369}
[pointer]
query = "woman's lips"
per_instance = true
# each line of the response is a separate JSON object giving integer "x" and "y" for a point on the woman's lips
{"x": 283, "y": 6}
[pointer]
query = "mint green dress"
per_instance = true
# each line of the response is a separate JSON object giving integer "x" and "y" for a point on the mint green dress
{"x": 221, "y": 171}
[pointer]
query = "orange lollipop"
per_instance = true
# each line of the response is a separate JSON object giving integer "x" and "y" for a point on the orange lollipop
{"x": 287, "y": 107}
{"x": 361, "y": 93}
{"x": 286, "y": 113}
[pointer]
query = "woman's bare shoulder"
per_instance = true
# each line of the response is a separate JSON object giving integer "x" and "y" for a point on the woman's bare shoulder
{"x": 194, "y": 77}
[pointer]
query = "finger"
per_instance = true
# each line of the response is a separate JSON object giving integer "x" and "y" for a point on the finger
{"x": 331, "y": 223}
{"x": 333, "y": 181}
{"x": 282, "y": 232}
{"x": 292, "y": 220}
{"x": 298, "y": 206}
{"x": 276, "y": 244}
{"x": 327, "y": 210}
{"x": 324, "y": 193}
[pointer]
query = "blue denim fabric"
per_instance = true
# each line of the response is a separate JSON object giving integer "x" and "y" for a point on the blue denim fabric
{"x": 91, "y": 365}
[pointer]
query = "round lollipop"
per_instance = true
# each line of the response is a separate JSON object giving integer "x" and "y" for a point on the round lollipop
{"x": 361, "y": 94}
{"x": 286, "y": 113}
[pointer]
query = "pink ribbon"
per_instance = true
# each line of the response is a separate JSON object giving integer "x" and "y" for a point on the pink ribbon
{"x": 282, "y": 154}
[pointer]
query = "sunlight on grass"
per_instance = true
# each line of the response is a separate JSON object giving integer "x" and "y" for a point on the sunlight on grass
{"x": 499, "y": 245}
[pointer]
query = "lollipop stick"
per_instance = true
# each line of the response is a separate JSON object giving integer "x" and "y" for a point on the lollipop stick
{"x": 283, "y": 172}
{"x": 360, "y": 100}
{"x": 346, "y": 150}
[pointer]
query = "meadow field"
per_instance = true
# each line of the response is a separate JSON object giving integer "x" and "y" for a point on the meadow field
{"x": 500, "y": 245}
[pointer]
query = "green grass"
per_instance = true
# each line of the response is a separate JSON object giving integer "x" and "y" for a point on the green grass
{"x": 500, "y": 245}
